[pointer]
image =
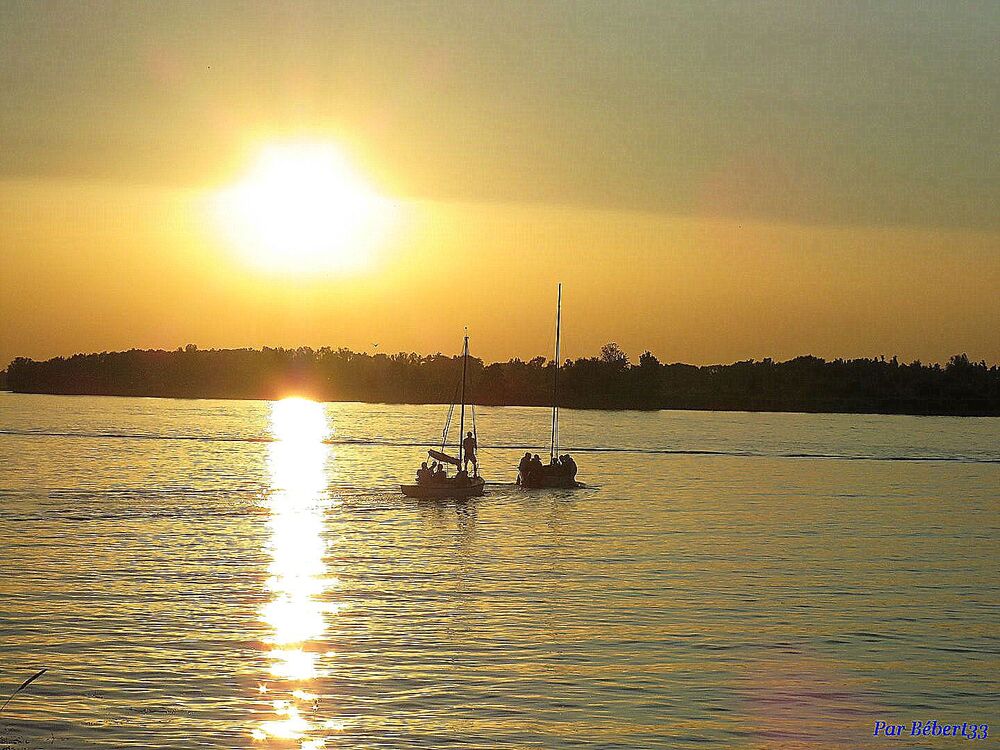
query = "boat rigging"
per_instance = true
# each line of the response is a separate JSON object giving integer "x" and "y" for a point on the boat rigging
{"x": 561, "y": 470}
{"x": 433, "y": 482}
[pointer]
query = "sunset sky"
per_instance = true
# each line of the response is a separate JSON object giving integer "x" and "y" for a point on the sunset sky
{"x": 713, "y": 181}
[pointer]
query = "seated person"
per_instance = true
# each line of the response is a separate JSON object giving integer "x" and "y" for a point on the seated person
{"x": 423, "y": 473}
{"x": 524, "y": 464}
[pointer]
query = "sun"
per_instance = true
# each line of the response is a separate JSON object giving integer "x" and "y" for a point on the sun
{"x": 302, "y": 207}
{"x": 298, "y": 420}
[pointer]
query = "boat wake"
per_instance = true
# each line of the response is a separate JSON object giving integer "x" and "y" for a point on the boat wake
{"x": 415, "y": 443}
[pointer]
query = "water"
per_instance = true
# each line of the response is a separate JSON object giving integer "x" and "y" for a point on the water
{"x": 235, "y": 574}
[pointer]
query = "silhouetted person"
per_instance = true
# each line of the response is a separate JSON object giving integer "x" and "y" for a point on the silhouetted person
{"x": 524, "y": 464}
{"x": 569, "y": 465}
{"x": 423, "y": 473}
{"x": 469, "y": 446}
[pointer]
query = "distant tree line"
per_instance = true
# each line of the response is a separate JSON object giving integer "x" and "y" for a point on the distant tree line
{"x": 608, "y": 381}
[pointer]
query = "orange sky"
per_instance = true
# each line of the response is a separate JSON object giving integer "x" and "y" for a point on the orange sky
{"x": 710, "y": 183}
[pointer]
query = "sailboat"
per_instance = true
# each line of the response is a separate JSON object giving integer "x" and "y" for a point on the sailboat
{"x": 558, "y": 472}
{"x": 431, "y": 486}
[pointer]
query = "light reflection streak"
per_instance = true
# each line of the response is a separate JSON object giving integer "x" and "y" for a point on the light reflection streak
{"x": 296, "y": 614}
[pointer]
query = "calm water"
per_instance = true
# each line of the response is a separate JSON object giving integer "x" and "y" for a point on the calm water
{"x": 244, "y": 574}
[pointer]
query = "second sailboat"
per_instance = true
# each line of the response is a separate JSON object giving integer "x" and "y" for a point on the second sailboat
{"x": 560, "y": 470}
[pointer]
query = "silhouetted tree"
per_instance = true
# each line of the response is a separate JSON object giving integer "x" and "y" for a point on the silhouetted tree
{"x": 612, "y": 354}
{"x": 648, "y": 360}
{"x": 802, "y": 384}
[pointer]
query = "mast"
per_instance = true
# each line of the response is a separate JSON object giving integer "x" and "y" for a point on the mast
{"x": 461, "y": 420}
{"x": 555, "y": 382}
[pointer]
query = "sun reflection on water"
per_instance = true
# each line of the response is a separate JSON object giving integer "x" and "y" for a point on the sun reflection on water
{"x": 296, "y": 613}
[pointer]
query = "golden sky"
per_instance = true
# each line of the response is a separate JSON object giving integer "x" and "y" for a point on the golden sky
{"x": 711, "y": 181}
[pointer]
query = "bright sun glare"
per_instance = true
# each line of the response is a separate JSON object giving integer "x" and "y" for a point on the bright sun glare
{"x": 299, "y": 608}
{"x": 303, "y": 208}
{"x": 298, "y": 420}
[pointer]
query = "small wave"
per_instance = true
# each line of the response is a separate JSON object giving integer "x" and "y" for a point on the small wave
{"x": 131, "y": 514}
{"x": 138, "y": 436}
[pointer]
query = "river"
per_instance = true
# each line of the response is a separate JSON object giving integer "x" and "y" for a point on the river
{"x": 245, "y": 574}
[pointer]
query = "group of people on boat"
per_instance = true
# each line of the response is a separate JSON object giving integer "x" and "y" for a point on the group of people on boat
{"x": 433, "y": 473}
{"x": 530, "y": 468}
{"x": 433, "y": 481}
{"x": 437, "y": 474}
{"x": 532, "y": 465}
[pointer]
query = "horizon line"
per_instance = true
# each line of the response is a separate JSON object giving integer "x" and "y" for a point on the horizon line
{"x": 547, "y": 360}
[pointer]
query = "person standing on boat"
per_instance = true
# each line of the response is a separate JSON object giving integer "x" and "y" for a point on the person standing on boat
{"x": 469, "y": 446}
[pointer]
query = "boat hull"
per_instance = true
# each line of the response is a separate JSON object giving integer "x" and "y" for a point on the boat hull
{"x": 445, "y": 491}
{"x": 542, "y": 480}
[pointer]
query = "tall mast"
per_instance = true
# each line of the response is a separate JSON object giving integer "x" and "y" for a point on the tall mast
{"x": 461, "y": 421}
{"x": 555, "y": 383}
